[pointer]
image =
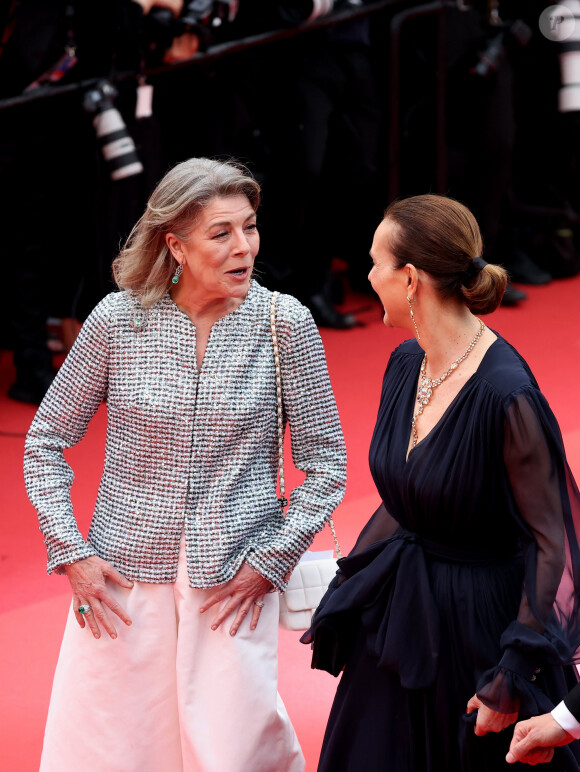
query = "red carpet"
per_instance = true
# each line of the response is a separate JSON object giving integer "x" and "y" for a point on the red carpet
{"x": 33, "y": 606}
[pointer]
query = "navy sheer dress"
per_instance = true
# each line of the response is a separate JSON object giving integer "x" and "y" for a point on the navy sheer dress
{"x": 466, "y": 579}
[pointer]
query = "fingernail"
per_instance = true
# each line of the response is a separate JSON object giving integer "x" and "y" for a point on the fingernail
{"x": 97, "y": 635}
{"x": 114, "y": 635}
{"x": 232, "y": 632}
{"x": 129, "y": 622}
{"x": 214, "y": 627}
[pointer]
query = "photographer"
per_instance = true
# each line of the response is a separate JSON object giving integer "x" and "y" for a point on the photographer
{"x": 323, "y": 121}
{"x": 45, "y": 183}
{"x": 176, "y": 31}
{"x": 62, "y": 214}
{"x": 487, "y": 49}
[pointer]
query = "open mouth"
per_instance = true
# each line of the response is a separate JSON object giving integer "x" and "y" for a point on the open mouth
{"x": 239, "y": 273}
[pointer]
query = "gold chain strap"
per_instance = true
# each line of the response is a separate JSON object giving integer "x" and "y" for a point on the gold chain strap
{"x": 282, "y": 498}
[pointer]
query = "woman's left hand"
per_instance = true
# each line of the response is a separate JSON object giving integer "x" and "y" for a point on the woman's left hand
{"x": 489, "y": 720}
{"x": 244, "y": 592}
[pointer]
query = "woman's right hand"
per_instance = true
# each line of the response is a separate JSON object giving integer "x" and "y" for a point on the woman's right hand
{"x": 87, "y": 578}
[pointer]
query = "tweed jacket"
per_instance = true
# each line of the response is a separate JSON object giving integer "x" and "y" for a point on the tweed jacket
{"x": 189, "y": 451}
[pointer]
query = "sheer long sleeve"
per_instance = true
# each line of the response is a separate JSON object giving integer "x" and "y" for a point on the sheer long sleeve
{"x": 547, "y": 506}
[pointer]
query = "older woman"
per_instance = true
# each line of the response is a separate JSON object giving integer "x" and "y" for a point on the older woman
{"x": 457, "y": 609}
{"x": 169, "y": 655}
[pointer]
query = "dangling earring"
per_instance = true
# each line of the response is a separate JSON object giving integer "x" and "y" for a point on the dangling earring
{"x": 177, "y": 274}
{"x": 411, "y": 303}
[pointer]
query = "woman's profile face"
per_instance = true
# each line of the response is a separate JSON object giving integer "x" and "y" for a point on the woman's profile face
{"x": 388, "y": 281}
{"x": 218, "y": 254}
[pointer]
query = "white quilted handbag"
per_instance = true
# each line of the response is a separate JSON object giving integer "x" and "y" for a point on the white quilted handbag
{"x": 308, "y": 583}
{"x": 315, "y": 570}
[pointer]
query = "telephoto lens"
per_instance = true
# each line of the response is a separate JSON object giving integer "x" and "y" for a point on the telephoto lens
{"x": 303, "y": 11}
{"x": 116, "y": 143}
{"x": 566, "y": 32}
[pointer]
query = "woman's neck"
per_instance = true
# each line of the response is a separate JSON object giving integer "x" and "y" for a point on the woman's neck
{"x": 445, "y": 336}
{"x": 204, "y": 310}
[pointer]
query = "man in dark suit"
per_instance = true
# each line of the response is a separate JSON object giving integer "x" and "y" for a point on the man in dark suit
{"x": 534, "y": 740}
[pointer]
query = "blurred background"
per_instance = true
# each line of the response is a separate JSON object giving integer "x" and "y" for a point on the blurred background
{"x": 336, "y": 106}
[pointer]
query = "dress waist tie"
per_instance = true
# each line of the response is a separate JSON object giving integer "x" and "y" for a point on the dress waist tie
{"x": 392, "y": 599}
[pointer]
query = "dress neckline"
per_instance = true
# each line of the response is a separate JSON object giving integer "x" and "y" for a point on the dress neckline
{"x": 451, "y": 405}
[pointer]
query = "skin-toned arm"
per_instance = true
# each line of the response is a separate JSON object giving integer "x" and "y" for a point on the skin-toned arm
{"x": 184, "y": 46}
{"x": 534, "y": 740}
{"x": 174, "y": 6}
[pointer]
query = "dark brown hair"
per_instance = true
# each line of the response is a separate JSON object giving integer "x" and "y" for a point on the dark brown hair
{"x": 440, "y": 236}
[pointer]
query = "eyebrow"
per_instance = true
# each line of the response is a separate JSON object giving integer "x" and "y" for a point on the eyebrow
{"x": 221, "y": 223}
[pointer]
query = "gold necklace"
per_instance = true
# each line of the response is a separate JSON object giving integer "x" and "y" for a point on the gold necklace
{"x": 428, "y": 385}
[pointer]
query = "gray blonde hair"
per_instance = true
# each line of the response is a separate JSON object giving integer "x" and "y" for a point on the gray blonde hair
{"x": 145, "y": 265}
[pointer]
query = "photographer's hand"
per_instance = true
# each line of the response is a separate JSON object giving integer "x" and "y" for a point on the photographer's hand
{"x": 175, "y": 6}
{"x": 183, "y": 47}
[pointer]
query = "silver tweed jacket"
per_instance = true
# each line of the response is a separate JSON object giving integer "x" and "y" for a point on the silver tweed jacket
{"x": 186, "y": 450}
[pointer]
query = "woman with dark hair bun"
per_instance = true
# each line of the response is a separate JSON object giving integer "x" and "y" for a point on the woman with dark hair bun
{"x": 456, "y": 613}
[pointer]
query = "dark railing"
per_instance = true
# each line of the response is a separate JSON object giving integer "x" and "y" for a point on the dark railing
{"x": 402, "y": 13}
{"x": 216, "y": 51}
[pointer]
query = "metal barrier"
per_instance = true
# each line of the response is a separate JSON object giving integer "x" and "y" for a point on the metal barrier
{"x": 214, "y": 52}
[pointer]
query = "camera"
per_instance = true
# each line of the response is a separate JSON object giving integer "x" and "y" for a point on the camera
{"x": 516, "y": 33}
{"x": 198, "y": 17}
{"x": 566, "y": 34}
{"x": 115, "y": 141}
{"x": 307, "y": 11}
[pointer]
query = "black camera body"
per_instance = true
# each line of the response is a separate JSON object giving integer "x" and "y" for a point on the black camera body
{"x": 514, "y": 34}
{"x": 198, "y": 17}
{"x": 307, "y": 11}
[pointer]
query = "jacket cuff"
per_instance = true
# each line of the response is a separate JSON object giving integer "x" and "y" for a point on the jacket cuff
{"x": 267, "y": 570}
{"x": 57, "y": 563}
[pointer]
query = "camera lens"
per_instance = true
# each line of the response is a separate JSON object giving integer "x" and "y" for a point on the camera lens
{"x": 304, "y": 11}
{"x": 116, "y": 144}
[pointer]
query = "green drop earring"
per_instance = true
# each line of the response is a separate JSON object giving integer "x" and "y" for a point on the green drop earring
{"x": 177, "y": 274}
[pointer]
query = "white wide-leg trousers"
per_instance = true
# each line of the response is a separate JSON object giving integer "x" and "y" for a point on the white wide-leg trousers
{"x": 170, "y": 694}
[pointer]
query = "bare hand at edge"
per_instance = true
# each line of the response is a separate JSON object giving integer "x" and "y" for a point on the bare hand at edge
{"x": 534, "y": 740}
